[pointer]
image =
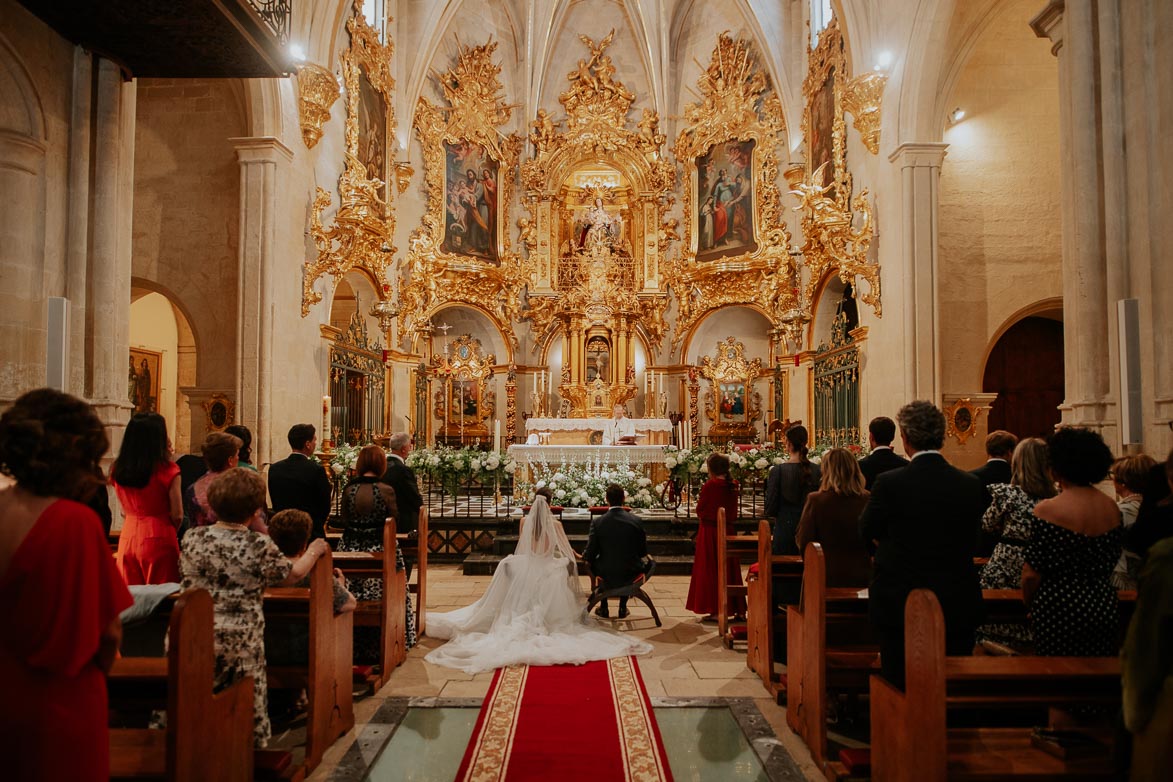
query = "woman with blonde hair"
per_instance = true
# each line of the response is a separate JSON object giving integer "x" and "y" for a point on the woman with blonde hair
{"x": 1130, "y": 477}
{"x": 1009, "y": 518}
{"x": 830, "y": 518}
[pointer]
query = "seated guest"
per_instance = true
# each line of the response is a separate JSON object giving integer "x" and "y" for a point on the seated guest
{"x": 1074, "y": 546}
{"x": 787, "y": 487}
{"x": 220, "y": 453}
{"x": 296, "y": 482}
{"x": 1146, "y": 667}
{"x": 831, "y": 519}
{"x": 1129, "y": 477}
{"x": 620, "y": 430}
{"x": 1008, "y": 520}
{"x": 719, "y": 491}
{"x": 923, "y": 520}
{"x": 147, "y": 484}
{"x": 1154, "y": 519}
{"x": 617, "y": 549}
{"x": 60, "y": 590}
{"x": 235, "y": 564}
{"x": 245, "y": 455}
{"x": 881, "y": 433}
{"x": 367, "y": 503}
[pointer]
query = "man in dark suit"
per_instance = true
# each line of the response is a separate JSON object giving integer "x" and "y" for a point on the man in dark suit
{"x": 617, "y": 549}
{"x": 402, "y": 480}
{"x": 1000, "y": 446}
{"x": 296, "y": 482}
{"x": 881, "y": 433}
{"x": 923, "y": 520}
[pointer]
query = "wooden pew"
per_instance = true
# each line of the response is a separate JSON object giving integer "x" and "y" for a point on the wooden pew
{"x": 417, "y": 548}
{"x": 910, "y": 738}
{"x": 728, "y": 631}
{"x": 328, "y": 673}
{"x": 763, "y": 621}
{"x": 812, "y": 666}
{"x": 388, "y": 614}
{"x": 209, "y": 735}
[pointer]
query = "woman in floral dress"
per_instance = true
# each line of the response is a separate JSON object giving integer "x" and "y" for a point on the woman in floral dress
{"x": 235, "y": 564}
{"x": 1010, "y": 516}
{"x": 367, "y": 503}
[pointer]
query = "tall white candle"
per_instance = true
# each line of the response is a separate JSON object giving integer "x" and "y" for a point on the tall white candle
{"x": 535, "y": 383}
{"x": 325, "y": 419}
{"x": 496, "y": 434}
{"x": 661, "y": 386}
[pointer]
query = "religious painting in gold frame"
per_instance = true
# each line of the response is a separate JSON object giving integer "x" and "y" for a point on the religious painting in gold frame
{"x": 732, "y": 406}
{"x": 464, "y": 402}
{"x": 724, "y": 197}
{"x": 738, "y": 122}
{"x": 824, "y": 126}
{"x": 143, "y": 382}
{"x": 471, "y": 184}
{"x": 374, "y": 120}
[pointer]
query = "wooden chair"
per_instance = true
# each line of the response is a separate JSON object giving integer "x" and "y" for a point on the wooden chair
{"x": 727, "y": 631}
{"x": 209, "y": 735}
{"x": 632, "y": 590}
{"x": 388, "y": 614}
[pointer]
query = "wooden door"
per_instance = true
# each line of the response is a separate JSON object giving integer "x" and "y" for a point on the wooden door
{"x": 1025, "y": 369}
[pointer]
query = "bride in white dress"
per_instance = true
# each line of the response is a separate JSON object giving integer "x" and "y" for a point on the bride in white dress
{"x": 533, "y": 612}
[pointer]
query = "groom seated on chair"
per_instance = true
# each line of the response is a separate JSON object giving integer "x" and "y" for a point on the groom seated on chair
{"x": 617, "y": 551}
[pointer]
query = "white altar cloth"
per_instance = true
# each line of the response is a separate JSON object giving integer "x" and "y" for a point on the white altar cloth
{"x": 579, "y": 424}
{"x": 587, "y": 454}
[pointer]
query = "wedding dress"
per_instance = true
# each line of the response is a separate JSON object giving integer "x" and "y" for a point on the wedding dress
{"x": 533, "y": 612}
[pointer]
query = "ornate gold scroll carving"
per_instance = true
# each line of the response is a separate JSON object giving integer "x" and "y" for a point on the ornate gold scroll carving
{"x": 734, "y": 406}
{"x": 317, "y": 89}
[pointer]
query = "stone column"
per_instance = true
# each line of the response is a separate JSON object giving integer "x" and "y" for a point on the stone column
{"x": 263, "y": 161}
{"x": 920, "y": 175}
{"x": 108, "y": 310}
{"x": 77, "y": 242}
{"x": 1071, "y": 27}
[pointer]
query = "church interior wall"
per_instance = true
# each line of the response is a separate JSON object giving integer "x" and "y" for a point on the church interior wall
{"x": 153, "y": 327}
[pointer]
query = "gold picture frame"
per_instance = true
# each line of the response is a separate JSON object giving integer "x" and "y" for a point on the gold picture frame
{"x": 823, "y": 123}
{"x": 741, "y": 118}
{"x": 961, "y": 419}
{"x": 143, "y": 381}
{"x": 464, "y": 402}
{"x": 219, "y": 412}
{"x": 733, "y": 405}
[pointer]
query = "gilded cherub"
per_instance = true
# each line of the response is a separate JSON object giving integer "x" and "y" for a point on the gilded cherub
{"x": 649, "y": 129}
{"x": 543, "y": 131}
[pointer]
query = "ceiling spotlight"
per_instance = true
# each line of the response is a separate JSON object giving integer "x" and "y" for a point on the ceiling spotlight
{"x": 297, "y": 52}
{"x": 957, "y": 115}
{"x": 884, "y": 60}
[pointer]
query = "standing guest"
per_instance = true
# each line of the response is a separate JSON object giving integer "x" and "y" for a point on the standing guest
{"x": 617, "y": 549}
{"x": 402, "y": 480}
{"x": 220, "y": 452}
{"x": 881, "y": 433}
{"x": 235, "y": 565}
{"x": 1129, "y": 476}
{"x": 60, "y": 590}
{"x": 1074, "y": 546}
{"x": 787, "y": 487}
{"x": 296, "y": 482}
{"x": 1146, "y": 668}
{"x": 148, "y": 486}
{"x": 1008, "y": 520}
{"x": 245, "y": 456}
{"x": 1154, "y": 519}
{"x": 367, "y": 504}
{"x": 923, "y": 520}
{"x": 999, "y": 448}
{"x": 831, "y": 519}
{"x": 719, "y": 491}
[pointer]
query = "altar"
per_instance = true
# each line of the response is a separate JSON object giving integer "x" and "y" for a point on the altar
{"x": 589, "y": 431}
{"x": 647, "y": 460}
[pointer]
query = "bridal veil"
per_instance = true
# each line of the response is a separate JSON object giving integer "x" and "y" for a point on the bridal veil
{"x": 533, "y": 611}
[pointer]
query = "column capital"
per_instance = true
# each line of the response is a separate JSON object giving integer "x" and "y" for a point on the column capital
{"x": 924, "y": 154}
{"x": 261, "y": 149}
{"x": 1048, "y": 23}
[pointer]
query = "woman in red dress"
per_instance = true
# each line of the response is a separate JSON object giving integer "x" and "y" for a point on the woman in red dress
{"x": 148, "y": 486}
{"x": 60, "y": 590}
{"x": 719, "y": 491}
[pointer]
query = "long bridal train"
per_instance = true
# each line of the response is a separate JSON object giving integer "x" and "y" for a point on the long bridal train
{"x": 533, "y": 612}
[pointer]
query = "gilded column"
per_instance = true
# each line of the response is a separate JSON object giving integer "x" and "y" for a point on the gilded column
{"x": 920, "y": 174}
{"x": 263, "y": 162}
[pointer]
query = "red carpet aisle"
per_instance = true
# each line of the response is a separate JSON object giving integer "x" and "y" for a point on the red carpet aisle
{"x": 567, "y": 722}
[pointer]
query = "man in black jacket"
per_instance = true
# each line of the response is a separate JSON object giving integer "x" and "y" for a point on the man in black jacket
{"x": 923, "y": 520}
{"x": 402, "y": 481}
{"x": 1000, "y": 446}
{"x": 296, "y": 482}
{"x": 881, "y": 433}
{"x": 617, "y": 549}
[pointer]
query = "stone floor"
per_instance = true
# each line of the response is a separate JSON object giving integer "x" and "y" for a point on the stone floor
{"x": 688, "y": 661}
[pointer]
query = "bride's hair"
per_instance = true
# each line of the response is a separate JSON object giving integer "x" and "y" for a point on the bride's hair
{"x": 545, "y": 492}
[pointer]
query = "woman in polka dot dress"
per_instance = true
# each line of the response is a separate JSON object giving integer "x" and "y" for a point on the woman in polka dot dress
{"x": 1073, "y": 548}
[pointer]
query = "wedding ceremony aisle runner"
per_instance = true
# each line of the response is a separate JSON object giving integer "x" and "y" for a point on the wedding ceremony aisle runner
{"x": 567, "y": 722}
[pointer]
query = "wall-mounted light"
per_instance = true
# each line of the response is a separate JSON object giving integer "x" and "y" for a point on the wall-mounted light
{"x": 956, "y": 115}
{"x": 297, "y": 52}
{"x": 884, "y": 60}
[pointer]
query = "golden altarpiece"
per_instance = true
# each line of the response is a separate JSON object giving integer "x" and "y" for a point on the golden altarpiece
{"x": 464, "y": 400}
{"x": 596, "y": 192}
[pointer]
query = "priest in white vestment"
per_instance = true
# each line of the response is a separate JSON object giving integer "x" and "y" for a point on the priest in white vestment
{"x": 620, "y": 430}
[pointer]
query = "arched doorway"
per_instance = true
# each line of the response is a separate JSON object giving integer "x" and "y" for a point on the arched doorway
{"x": 162, "y": 361}
{"x": 1025, "y": 370}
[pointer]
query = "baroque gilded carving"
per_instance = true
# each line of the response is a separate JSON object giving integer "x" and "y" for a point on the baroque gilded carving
{"x": 464, "y": 401}
{"x": 461, "y": 252}
{"x": 360, "y": 236}
{"x": 317, "y": 89}
{"x": 737, "y": 245}
{"x": 734, "y": 404}
{"x": 862, "y": 100}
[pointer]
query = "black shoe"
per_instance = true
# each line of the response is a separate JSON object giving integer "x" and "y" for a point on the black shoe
{"x": 602, "y": 612}
{"x": 624, "y": 613}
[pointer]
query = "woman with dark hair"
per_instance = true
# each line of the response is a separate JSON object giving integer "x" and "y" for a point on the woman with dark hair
{"x": 1074, "y": 545}
{"x": 245, "y": 456}
{"x": 61, "y": 592}
{"x": 786, "y": 489}
{"x": 367, "y": 503}
{"x": 719, "y": 491}
{"x": 148, "y": 486}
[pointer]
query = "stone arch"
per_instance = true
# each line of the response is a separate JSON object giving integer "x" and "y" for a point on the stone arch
{"x": 1024, "y": 366}
{"x": 21, "y": 111}
{"x": 188, "y": 414}
{"x": 743, "y": 320}
{"x": 471, "y": 319}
